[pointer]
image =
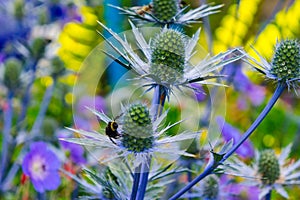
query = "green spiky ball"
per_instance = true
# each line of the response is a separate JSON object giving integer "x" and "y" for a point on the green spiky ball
{"x": 12, "y": 72}
{"x": 168, "y": 55}
{"x": 286, "y": 61}
{"x": 165, "y": 10}
{"x": 268, "y": 167}
{"x": 210, "y": 187}
{"x": 137, "y": 130}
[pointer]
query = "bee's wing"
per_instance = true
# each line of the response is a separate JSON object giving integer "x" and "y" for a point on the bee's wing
{"x": 135, "y": 8}
{"x": 101, "y": 115}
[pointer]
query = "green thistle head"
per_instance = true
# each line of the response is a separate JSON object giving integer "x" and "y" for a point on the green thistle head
{"x": 286, "y": 60}
{"x": 268, "y": 167}
{"x": 210, "y": 187}
{"x": 137, "y": 130}
{"x": 168, "y": 55}
{"x": 165, "y": 10}
{"x": 12, "y": 72}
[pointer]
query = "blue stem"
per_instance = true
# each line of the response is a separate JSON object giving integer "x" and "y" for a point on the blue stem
{"x": 269, "y": 195}
{"x": 158, "y": 102}
{"x": 189, "y": 174}
{"x": 41, "y": 196}
{"x": 136, "y": 181}
{"x": 280, "y": 88}
{"x": 26, "y": 97}
{"x": 43, "y": 109}
{"x": 8, "y": 115}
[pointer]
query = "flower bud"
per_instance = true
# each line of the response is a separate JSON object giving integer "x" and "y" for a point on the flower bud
{"x": 210, "y": 187}
{"x": 168, "y": 55}
{"x": 38, "y": 47}
{"x": 165, "y": 10}
{"x": 268, "y": 167}
{"x": 12, "y": 72}
{"x": 137, "y": 130}
{"x": 19, "y": 11}
{"x": 286, "y": 61}
{"x": 58, "y": 67}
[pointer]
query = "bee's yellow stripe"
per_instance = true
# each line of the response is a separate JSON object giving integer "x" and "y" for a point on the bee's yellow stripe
{"x": 111, "y": 126}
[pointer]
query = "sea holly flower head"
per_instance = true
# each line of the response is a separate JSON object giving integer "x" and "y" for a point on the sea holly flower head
{"x": 166, "y": 58}
{"x": 137, "y": 131}
{"x": 285, "y": 65}
{"x": 286, "y": 60}
{"x": 140, "y": 137}
{"x": 164, "y": 12}
{"x": 268, "y": 167}
{"x": 269, "y": 171}
{"x": 42, "y": 166}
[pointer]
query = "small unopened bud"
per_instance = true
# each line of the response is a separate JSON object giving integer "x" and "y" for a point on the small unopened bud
{"x": 13, "y": 68}
{"x": 268, "y": 167}
{"x": 210, "y": 187}
{"x": 137, "y": 130}
{"x": 38, "y": 47}
{"x": 19, "y": 6}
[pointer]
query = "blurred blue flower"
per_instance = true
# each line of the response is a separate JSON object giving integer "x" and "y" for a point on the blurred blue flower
{"x": 75, "y": 151}
{"x": 42, "y": 165}
{"x": 237, "y": 190}
{"x": 214, "y": 187}
{"x": 241, "y": 83}
{"x": 56, "y": 11}
{"x": 246, "y": 150}
{"x": 199, "y": 92}
{"x": 97, "y": 103}
{"x": 83, "y": 119}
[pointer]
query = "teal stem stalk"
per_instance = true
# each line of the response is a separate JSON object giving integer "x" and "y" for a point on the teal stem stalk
{"x": 8, "y": 115}
{"x": 280, "y": 88}
{"x": 158, "y": 102}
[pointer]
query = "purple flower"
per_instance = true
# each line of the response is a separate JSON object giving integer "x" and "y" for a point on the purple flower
{"x": 238, "y": 190}
{"x": 246, "y": 150}
{"x": 255, "y": 93}
{"x": 76, "y": 151}
{"x": 97, "y": 102}
{"x": 84, "y": 118}
{"x": 41, "y": 165}
{"x": 199, "y": 93}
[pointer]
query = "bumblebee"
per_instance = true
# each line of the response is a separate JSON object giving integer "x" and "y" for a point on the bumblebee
{"x": 143, "y": 9}
{"x": 111, "y": 130}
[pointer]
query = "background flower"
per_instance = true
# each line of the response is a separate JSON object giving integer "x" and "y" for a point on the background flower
{"x": 42, "y": 165}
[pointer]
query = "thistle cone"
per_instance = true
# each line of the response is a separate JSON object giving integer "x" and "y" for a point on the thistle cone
{"x": 165, "y": 10}
{"x": 168, "y": 56}
{"x": 268, "y": 167}
{"x": 286, "y": 60}
{"x": 137, "y": 131}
